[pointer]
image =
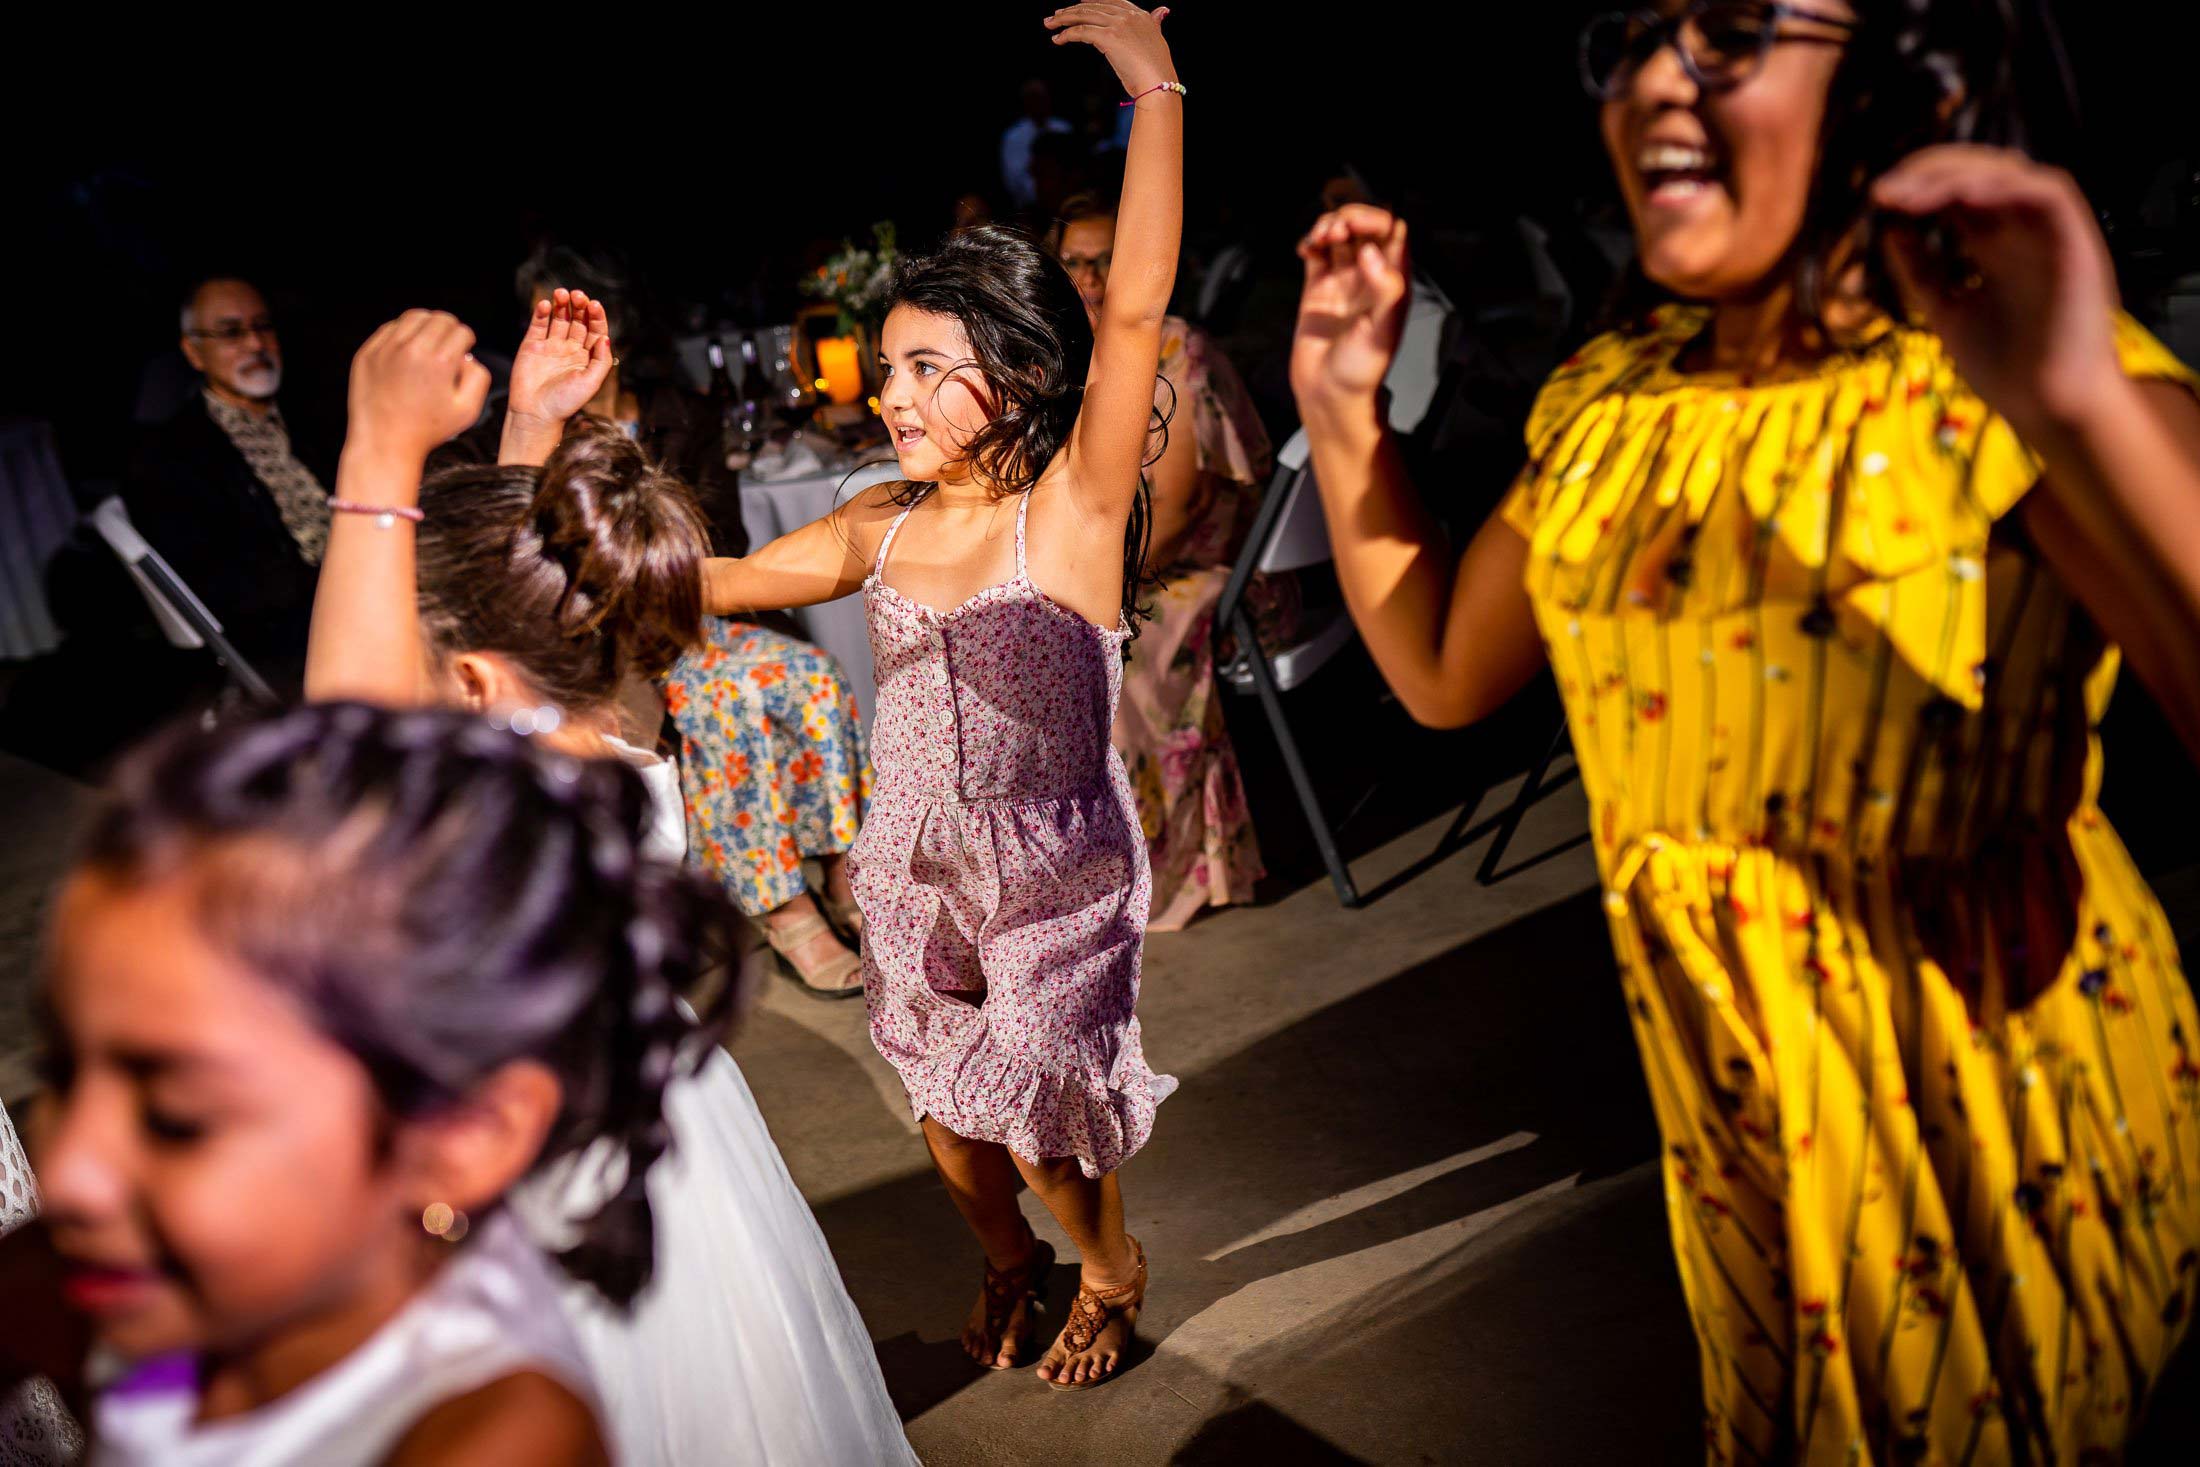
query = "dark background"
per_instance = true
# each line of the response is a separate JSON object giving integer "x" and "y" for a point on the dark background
{"x": 386, "y": 164}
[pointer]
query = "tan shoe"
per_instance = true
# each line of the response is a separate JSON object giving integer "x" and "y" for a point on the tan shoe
{"x": 839, "y": 976}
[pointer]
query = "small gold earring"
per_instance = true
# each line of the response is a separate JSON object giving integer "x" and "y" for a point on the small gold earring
{"x": 444, "y": 1221}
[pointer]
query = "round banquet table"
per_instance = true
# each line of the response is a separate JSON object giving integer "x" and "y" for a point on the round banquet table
{"x": 773, "y": 508}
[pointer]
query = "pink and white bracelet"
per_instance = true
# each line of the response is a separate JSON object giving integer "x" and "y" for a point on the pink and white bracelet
{"x": 1176, "y": 87}
{"x": 386, "y": 516}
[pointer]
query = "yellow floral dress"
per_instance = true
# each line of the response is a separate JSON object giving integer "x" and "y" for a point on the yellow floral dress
{"x": 1920, "y": 1048}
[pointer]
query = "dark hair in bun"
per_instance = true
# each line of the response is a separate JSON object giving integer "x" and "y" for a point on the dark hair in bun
{"x": 442, "y": 898}
{"x": 580, "y": 572}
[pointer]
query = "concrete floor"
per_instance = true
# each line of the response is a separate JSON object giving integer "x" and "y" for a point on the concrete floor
{"x": 1404, "y": 1208}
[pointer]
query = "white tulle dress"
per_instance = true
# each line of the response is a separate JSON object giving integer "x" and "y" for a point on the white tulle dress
{"x": 745, "y": 1348}
{"x": 36, "y": 1430}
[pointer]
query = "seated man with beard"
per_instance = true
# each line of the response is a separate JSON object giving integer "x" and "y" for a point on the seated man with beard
{"x": 221, "y": 492}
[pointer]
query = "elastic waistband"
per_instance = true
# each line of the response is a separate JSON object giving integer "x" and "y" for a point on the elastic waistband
{"x": 880, "y": 795}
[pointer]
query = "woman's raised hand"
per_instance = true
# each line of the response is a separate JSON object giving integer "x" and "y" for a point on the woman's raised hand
{"x": 563, "y": 359}
{"x": 1127, "y": 35}
{"x": 415, "y": 384}
{"x": 1353, "y": 309}
{"x": 2030, "y": 318}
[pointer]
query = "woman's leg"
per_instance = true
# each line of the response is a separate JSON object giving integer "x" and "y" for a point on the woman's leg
{"x": 982, "y": 1180}
{"x": 837, "y": 889}
{"x": 816, "y": 958}
{"x": 1091, "y": 1212}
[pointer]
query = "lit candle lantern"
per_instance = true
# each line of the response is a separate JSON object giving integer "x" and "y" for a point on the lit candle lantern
{"x": 840, "y": 366}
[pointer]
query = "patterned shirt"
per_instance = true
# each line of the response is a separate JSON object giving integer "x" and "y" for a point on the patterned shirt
{"x": 265, "y": 444}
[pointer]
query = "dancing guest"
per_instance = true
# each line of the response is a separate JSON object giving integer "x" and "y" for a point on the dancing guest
{"x": 773, "y": 764}
{"x": 1001, "y": 873}
{"x": 1831, "y": 553}
{"x": 325, "y": 986}
{"x": 1214, "y": 461}
{"x": 221, "y": 490}
{"x": 534, "y": 595}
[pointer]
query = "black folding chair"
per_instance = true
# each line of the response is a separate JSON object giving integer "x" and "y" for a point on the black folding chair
{"x": 183, "y": 617}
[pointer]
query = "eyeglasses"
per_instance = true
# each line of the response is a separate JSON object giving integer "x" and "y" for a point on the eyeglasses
{"x": 1721, "y": 43}
{"x": 229, "y": 333}
{"x": 1097, "y": 264}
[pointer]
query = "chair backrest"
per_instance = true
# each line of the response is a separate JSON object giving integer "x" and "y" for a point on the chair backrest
{"x": 112, "y": 521}
{"x": 1300, "y": 537}
{"x": 1231, "y": 265}
{"x": 1418, "y": 367}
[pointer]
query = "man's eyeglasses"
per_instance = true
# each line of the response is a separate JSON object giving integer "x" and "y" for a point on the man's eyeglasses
{"x": 229, "y": 333}
{"x": 1097, "y": 264}
{"x": 1721, "y": 43}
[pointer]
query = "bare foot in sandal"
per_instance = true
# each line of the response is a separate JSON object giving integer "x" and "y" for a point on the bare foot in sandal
{"x": 814, "y": 956}
{"x": 998, "y": 1333}
{"x": 1098, "y": 1333}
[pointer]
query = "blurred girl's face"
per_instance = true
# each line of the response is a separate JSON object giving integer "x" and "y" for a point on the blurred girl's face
{"x": 1717, "y": 181}
{"x": 207, "y": 1159}
{"x": 934, "y": 398}
{"x": 1086, "y": 250}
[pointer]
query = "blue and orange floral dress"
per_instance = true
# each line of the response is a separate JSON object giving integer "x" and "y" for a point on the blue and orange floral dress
{"x": 773, "y": 763}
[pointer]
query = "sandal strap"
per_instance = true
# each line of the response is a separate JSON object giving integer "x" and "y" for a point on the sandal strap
{"x": 795, "y": 934}
{"x": 1091, "y": 1310}
{"x": 1005, "y": 1288}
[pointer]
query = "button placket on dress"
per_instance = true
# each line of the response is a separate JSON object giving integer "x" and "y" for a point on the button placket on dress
{"x": 950, "y": 731}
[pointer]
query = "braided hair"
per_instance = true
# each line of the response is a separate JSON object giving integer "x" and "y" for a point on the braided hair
{"x": 1032, "y": 343}
{"x": 442, "y": 899}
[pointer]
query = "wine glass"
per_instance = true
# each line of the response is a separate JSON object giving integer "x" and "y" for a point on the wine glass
{"x": 794, "y": 399}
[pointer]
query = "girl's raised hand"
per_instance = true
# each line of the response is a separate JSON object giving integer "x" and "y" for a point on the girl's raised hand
{"x": 563, "y": 359}
{"x": 415, "y": 384}
{"x": 2030, "y": 321}
{"x": 1128, "y": 36}
{"x": 1353, "y": 308}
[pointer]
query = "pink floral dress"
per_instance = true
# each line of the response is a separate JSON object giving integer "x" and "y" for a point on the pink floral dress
{"x": 1001, "y": 873}
{"x": 1169, "y": 727}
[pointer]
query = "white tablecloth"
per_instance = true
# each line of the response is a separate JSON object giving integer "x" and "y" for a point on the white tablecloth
{"x": 770, "y": 510}
{"x": 36, "y": 515}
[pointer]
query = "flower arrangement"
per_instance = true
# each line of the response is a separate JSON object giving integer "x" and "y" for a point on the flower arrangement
{"x": 855, "y": 279}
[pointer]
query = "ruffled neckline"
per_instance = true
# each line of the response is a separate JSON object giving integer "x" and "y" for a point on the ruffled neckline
{"x": 1677, "y": 327}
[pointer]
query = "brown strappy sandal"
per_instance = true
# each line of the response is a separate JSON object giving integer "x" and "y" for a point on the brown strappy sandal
{"x": 1089, "y": 1315}
{"x": 1006, "y": 1288}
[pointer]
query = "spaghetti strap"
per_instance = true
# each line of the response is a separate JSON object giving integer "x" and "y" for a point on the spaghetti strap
{"x": 878, "y": 566}
{"x": 1021, "y": 509}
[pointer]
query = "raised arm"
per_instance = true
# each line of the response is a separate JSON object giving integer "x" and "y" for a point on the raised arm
{"x": 562, "y": 362}
{"x": 2032, "y": 329}
{"x": 1453, "y": 642}
{"x": 1109, "y": 446}
{"x": 413, "y": 385}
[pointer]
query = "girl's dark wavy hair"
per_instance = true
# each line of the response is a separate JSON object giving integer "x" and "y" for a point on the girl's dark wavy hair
{"x": 2002, "y": 63}
{"x": 1032, "y": 344}
{"x": 442, "y": 898}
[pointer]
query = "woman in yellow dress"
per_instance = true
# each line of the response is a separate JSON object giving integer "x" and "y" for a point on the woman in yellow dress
{"x": 1832, "y": 556}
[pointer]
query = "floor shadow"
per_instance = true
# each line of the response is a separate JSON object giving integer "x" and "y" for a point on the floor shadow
{"x": 1519, "y": 1030}
{"x": 1255, "y": 1431}
{"x": 1377, "y": 773}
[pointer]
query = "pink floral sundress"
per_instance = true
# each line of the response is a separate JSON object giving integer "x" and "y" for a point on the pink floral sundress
{"x": 1002, "y": 875}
